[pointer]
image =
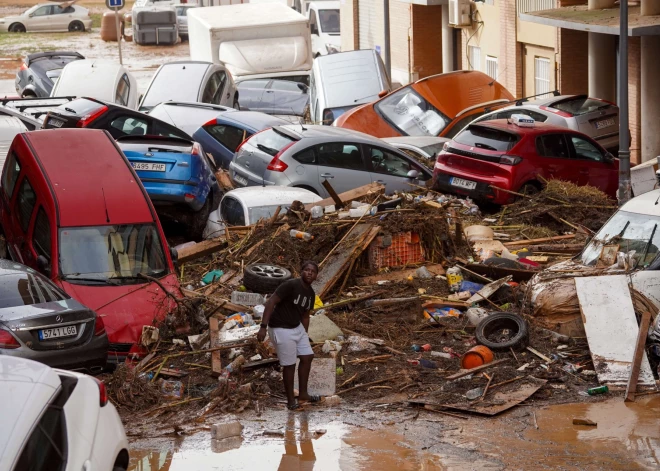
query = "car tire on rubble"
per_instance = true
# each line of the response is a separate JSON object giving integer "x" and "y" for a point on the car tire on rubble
{"x": 264, "y": 278}
{"x": 498, "y": 321}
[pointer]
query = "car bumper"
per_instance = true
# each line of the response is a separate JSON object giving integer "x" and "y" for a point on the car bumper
{"x": 89, "y": 358}
{"x": 4, "y": 27}
{"x": 87, "y": 23}
{"x": 242, "y": 177}
{"x": 174, "y": 193}
{"x": 482, "y": 192}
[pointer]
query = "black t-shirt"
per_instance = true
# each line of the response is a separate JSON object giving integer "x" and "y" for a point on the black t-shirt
{"x": 296, "y": 299}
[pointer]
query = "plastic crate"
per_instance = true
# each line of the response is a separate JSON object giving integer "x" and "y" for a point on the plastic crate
{"x": 395, "y": 250}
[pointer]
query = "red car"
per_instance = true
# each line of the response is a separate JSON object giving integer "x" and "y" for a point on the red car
{"x": 72, "y": 207}
{"x": 510, "y": 155}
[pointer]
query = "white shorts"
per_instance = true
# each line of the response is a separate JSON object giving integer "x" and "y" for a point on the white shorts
{"x": 290, "y": 344}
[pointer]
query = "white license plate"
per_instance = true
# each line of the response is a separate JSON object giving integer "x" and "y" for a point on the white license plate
{"x": 605, "y": 123}
{"x": 57, "y": 332}
{"x": 56, "y": 122}
{"x": 240, "y": 180}
{"x": 149, "y": 167}
{"x": 467, "y": 184}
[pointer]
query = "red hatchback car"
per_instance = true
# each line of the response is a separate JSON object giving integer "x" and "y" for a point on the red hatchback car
{"x": 72, "y": 207}
{"x": 517, "y": 156}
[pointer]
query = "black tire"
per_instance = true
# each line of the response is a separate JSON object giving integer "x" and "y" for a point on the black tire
{"x": 264, "y": 278}
{"x": 498, "y": 321}
{"x": 236, "y": 105}
{"x": 197, "y": 221}
{"x": 529, "y": 189}
{"x": 76, "y": 27}
{"x": 17, "y": 28}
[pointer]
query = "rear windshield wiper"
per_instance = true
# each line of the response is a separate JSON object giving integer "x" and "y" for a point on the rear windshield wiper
{"x": 267, "y": 150}
{"x": 648, "y": 244}
{"x": 484, "y": 146}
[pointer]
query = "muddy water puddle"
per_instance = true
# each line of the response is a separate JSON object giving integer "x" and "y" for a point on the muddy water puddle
{"x": 626, "y": 437}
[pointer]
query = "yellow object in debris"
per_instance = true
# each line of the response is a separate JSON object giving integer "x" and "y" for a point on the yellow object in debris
{"x": 318, "y": 303}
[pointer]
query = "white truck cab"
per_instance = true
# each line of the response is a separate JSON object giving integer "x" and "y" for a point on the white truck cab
{"x": 324, "y": 27}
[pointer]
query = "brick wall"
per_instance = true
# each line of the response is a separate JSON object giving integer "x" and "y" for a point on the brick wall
{"x": 426, "y": 40}
{"x": 510, "y": 59}
{"x": 573, "y": 61}
{"x": 634, "y": 98}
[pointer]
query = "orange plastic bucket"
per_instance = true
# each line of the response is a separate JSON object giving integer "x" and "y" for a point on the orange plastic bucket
{"x": 476, "y": 356}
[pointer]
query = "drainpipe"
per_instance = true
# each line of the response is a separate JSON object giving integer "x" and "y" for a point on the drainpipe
{"x": 447, "y": 41}
{"x": 388, "y": 52}
{"x": 623, "y": 195}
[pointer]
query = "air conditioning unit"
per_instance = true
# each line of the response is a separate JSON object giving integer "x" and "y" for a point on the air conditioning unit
{"x": 459, "y": 13}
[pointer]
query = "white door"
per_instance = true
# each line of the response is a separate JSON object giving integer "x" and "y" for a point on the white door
{"x": 39, "y": 20}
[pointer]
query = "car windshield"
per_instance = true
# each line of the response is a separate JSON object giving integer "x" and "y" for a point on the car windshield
{"x": 25, "y": 288}
{"x": 31, "y": 10}
{"x": 270, "y": 141}
{"x": 264, "y": 212}
{"x": 627, "y": 231}
{"x": 329, "y": 20}
{"x": 411, "y": 114}
{"x": 111, "y": 254}
{"x": 487, "y": 138}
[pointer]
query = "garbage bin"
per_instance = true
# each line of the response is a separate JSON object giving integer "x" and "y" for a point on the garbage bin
{"x": 109, "y": 27}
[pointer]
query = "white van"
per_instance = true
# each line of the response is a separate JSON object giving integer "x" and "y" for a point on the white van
{"x": 254, "y": 41}
{"x": 101, "y": 79}
{"x": 343, "y": 81}
{"x": 324, "y": 27}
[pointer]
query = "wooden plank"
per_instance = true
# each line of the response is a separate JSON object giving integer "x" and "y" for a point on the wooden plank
{"x": 540, "y": 355}
{"x": 333, "y": 194}
{"x": 499, "y": 272}
{"x": 440, "y": 303}
{"x": 611, "y": 328}
{"x": 476, "y": 369}
{"x": 400, "y": 275}
{"x": 200, "y": 249}
{"x": 223, "y": 180}
{"x": 216, "y": 360}
{"x": 631, "y": 389}
{"x": 372, "y": 189}
{"x": 341, "y": 258}
{"x": 223, "y": 303}
{"x": 539, "y": 241}
{"x": 488, "y": 290}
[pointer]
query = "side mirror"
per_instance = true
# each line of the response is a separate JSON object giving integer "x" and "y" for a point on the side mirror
{"x": 383, "y": 93}
{"x": 43, "y": 265}
{"x": 303, "y": 88}
{"x": 413, "y": 174}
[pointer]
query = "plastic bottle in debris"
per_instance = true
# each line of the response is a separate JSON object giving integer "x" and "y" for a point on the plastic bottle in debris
{"x": 454, "y": 279}
{"x": 317, "y": 212}
{"x": 236, "y": 364}
{"x": 306, "y": 236}
{"x": 476, "y": 314}
{"x": 441, "y": 355}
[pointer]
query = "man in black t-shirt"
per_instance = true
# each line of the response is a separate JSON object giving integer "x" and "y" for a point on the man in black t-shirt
{"x": 286, "y": 315}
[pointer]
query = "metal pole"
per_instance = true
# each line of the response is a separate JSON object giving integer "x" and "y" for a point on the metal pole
{"x": 623, "y": 194}
{"x": 118, "y": 35}
{"x": 388, "y": 55}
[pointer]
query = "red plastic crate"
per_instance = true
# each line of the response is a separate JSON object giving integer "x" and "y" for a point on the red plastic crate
{"x": 405, "y": 249}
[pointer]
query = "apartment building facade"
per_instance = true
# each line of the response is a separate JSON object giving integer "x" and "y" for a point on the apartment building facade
{"x": 522, "y": 44}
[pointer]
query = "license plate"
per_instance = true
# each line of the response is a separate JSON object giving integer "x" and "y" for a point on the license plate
{"x": 467, "y": 184}
{"x": 57, "y": 332}
{"x": 240, "y": 180}
{"x": 55, "y": 122}
{"x": 605, "y": 123}
{"x": 148, "y": 167}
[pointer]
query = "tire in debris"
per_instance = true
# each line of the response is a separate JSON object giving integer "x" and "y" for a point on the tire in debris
{"x": 501, "y": 331}
{"x": 264, "y": 278}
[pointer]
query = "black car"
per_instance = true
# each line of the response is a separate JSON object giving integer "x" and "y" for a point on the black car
{"x": 39, "y": 72}
{"x": 118, "y": 120}
{"x": 41, "y": 322}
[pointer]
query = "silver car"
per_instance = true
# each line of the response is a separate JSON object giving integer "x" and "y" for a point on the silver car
{"x": 182, "y": 18}
{"x": 306, "y": 156}
{"x": 598, "y": 119}
{"x": 48, "y": 17}
{"x": 420, "y": 147}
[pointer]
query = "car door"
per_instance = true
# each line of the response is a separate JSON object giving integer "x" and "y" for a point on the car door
{"x": 24, "y": 204}
{"x": 555, "y": 160}
{"x": 40, "y": 19}
{"x": 317, "y": 42}
{"x": 394, "y": 170}
{"x": 10, "y": 176}
{"x": 593, "y": 167}
{"x": 341, "y": 164}
{"x": 59, "y": 18}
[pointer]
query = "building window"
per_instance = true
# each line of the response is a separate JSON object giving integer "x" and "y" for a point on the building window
{"x": 491, "y": 67}
{"x": 528, "y": 6}
{"x": 474, "y": 57}
{"x": 489, "y": 2}
{"x": 541, "y": 76}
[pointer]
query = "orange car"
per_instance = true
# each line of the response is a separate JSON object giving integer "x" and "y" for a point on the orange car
{"x": 440, "y": 105}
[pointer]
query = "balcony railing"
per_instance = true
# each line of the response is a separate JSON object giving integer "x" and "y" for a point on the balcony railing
{"x": 527, "y": 6}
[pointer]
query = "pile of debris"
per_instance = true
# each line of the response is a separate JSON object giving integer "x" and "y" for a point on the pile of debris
{"x": 407, "y": 312}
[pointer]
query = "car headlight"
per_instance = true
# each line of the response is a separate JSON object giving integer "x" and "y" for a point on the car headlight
{"x": 332, "y": 49}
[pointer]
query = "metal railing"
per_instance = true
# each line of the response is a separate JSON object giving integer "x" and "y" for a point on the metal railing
{"x": 527, "y": 6}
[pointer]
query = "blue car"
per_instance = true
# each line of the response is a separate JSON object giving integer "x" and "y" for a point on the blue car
{"x": 221, "y": 136}
{"x": 177, "y": 176}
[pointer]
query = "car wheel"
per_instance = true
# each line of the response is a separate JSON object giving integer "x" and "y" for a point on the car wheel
{"x": 29, "y": 94}
{"x": 197, "y": 221}
{"x": 76, "y": 27}
{"x": 501, "y": 331}
{"x": 264, "y": 278}
{"x": 235, "y": 105}
{"x": 529, "y": 189}
{"x": 17, "y": 28}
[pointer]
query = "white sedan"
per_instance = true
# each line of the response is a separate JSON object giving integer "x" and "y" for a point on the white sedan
{"x": 56, "y": 419}
{"x": 49, "y": 17}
